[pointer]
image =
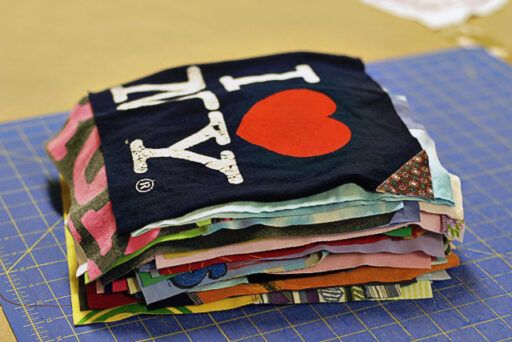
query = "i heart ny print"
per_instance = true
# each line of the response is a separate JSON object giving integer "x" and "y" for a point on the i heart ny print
{"x": 264, "y": 129}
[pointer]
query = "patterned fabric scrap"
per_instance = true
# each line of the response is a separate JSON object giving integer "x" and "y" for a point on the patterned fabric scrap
{"x": 412, "y": 179}
{"x": 342, "y": 294}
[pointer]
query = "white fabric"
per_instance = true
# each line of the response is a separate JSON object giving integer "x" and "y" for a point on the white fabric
{"x": 438, "y": 14}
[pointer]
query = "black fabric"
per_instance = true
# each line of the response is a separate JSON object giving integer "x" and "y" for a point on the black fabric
{"x": 379, "y": 144}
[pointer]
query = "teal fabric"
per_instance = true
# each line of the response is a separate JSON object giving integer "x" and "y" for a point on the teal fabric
{"x": 310, "y": 218}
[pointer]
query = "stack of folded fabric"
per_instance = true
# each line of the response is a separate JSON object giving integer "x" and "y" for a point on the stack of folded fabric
{"x": 292, "y": 178}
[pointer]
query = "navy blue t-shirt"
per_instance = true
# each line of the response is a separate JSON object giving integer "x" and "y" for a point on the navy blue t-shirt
{"x": 262, "y": 129}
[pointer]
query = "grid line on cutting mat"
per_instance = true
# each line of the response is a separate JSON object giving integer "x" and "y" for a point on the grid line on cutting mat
{"x": 462, "y": 96}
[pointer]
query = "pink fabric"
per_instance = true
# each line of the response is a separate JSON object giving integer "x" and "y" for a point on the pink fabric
{"x": 101, "y": 225}
{"x": 138, "y": 242}
{"x": 84, "y": 191}
{"x": 274, "y": 244}
{"x": 93, "y": 271}
{"x": 73, "y": 231}
{"x": 57, "y": 146}
{"x": 432, "y": 222}
{"x": 350, "y": 260}
{"x": 120, "y": 285}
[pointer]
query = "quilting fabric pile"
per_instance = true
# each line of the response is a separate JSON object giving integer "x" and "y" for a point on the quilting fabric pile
{"x": 286, "y": 179}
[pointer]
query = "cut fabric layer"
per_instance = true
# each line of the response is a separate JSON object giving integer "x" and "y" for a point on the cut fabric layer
{"x": 334, "y": 262}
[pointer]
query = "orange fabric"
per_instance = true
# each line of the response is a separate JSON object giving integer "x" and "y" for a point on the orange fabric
{"x": 360, "y": 275}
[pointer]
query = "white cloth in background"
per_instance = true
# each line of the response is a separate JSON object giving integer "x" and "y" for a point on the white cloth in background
{"x": 438, "y": 14}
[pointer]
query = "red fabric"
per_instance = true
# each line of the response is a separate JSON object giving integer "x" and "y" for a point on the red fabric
{"x": 120, "y": 285}
{"x": 97, "y": 301}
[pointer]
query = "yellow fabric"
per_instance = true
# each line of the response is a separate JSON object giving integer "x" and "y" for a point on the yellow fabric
{"x": 420, "y": 290}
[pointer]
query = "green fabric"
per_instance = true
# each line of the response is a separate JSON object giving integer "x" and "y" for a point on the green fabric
{"x": 147, "y": 279}
{"x": 400, "y": 232}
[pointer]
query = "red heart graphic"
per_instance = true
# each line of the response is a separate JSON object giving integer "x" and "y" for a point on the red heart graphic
{"x": 295, "y": 123}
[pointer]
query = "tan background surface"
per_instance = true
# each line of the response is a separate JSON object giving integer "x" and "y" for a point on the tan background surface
{"x": 5, "y": 329}
{"x": 52, "y": 52}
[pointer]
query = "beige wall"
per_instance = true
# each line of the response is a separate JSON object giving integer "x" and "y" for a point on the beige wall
{"x": 52, "y": 52}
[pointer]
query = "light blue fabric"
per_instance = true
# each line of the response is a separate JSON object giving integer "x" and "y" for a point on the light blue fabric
{"x": 223, "y": 284}
{"x": 309, "y": 218}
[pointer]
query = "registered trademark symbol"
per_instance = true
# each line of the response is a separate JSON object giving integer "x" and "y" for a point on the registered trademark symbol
{"x": 145, "y": 185}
